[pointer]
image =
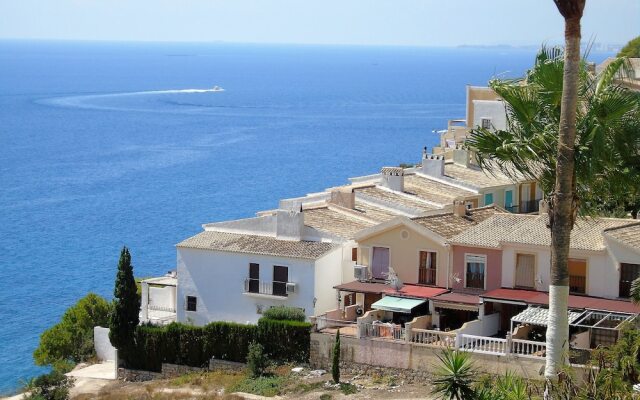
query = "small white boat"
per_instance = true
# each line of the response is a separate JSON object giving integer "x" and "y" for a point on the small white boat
{"x": 217, "y": 89}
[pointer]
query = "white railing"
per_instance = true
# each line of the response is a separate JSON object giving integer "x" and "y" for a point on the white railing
{"x": 483, "y": 344}
{"x": 528, "y": 348}
{"x": 433, "y": 338}
{"x": 382, "y": 330}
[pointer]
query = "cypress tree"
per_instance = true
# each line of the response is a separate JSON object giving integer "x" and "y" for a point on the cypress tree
{"x": 335, "y": 367}
{"x": 126, "y": 307}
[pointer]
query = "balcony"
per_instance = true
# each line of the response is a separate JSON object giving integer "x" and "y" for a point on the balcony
{"x": 427, "y": 276}
{"x": 268, "y": 288}
{"x": 577, "y": 284}
{"x": 529, "y": 206}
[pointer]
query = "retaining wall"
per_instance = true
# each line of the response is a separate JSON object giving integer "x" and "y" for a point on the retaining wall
{"x": 411, "y": 360}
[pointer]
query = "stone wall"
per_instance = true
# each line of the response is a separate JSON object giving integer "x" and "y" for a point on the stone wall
{"x": 413, "y": 361}
{"x": 174, "y": 370}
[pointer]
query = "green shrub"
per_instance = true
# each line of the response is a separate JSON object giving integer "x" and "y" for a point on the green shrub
{"x": 71, "y": 340}
{"x": 631, "y": 49}
{"x": 257, "y": 361}
{"x": 52, "y": 386}
{"x": 282, "y": 341}
{"x": 285, "y": 341}
{"x": 347, "y": 388}
{"x": 262, "y": 386}
{"x": 283, "y": 313}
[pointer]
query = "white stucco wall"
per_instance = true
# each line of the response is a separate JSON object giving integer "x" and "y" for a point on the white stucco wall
{"x": 602, "y": 272}
{"x": 164, "y": 296}
{"x": 104, "y": 350}
{"x": 217, "y": 280}
{"x": 328, "y": 273}
{"x": 493, "y": 109}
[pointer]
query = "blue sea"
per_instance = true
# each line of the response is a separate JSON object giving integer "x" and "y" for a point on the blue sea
{"x": 111, "y": 144}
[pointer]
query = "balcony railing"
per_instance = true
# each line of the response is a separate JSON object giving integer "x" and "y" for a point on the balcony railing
{"x": 577, "y": 284}
{"x": 273, "y": 288}
{"x": 427, "y": 276}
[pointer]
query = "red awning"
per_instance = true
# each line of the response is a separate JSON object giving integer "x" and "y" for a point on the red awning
{"x": 408, "y": 290}
{"x": 576, "y": 302}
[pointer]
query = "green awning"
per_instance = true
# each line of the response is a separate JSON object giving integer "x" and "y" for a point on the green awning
{"x": 397, "y": 304}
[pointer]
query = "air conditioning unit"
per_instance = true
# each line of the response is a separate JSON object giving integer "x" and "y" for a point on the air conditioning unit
{"x": 361, "y": 272}
{"x": 291, "y": 288}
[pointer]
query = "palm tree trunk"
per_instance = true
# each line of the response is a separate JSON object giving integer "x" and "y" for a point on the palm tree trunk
{"x": 563, "y": 204}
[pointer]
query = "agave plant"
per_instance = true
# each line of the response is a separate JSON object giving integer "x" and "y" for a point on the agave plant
{"x": 454, "y": 377}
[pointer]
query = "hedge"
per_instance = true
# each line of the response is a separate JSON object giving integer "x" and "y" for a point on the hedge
{"x": 283, "y": 341}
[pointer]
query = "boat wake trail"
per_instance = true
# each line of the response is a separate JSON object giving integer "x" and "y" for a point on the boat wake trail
{"x": 92, "y": 101}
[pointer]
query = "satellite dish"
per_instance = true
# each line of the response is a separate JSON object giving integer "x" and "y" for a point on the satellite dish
{"x": 455, "y": 278}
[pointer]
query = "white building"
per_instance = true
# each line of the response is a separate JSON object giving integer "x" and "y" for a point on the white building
{"x": 235, "y": 270}
{"x": 158, "y": 299}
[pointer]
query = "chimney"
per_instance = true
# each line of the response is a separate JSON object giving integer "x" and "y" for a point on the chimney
{"x": 393, "y": 178}
{"x": 289, "y": 224}
{"x": 459, "y": 208}
{"x": 433, "y": 165}
{"x": 344, "y": 198}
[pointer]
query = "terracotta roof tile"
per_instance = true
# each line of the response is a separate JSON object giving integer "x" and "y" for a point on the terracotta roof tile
{"x": 629, "y": 234}
{"x": 253, "y": 244}
{"x": 333, "y": 222}
{"x": 449, "y": 225}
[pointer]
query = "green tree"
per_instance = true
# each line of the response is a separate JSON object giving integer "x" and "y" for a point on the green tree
{"x": 52, "y": 386}
{"x": 71, "y": 339}
{"x": 335, "y": 365}
{"x": 631, "y": 49}
{"x": 600, "y": 161}
{"x": 126, "y": 307}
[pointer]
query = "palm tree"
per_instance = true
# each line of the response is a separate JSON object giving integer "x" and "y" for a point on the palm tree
{"x": 563, "y": 204}
{"x": 595, "y": 162}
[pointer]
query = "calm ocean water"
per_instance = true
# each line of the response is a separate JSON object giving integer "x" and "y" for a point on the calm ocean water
{"x": 107, "y": 144}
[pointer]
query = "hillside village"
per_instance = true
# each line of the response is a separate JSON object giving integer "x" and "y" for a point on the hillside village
{"x": 439, "y": 254}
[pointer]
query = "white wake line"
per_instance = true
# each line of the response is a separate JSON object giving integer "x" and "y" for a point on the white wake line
{"x": 169, "y": 91}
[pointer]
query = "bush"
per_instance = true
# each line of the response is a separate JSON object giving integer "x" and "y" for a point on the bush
{"x": 282, "y": 341}
{"x": 257, "y": 361}
{"x": 285, "y": 341}
{"x": 282, "y": 313}
{"x": 52, "y": 386}
{"x": 71, "y": 340}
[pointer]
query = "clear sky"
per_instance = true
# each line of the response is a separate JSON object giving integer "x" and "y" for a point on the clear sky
{"x": 386, "y": 22}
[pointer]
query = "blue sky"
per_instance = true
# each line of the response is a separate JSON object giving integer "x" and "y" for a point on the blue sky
{"x": 367, "y": 22}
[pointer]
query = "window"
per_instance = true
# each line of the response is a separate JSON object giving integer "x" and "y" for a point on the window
{"x": 280, "y": 279}
{"x": 485, "y": 123}
{"x": 192, "y": 303}
{"x": 254, "y": 278}
{"x": 427, "y": 268}
{"x": 475, "y": 271}
{"x": 577, "y": 276}
{"x": 354, "y": 254}
{"x": 488, "y": 199}
{"x": 525, "y": 270}
{"x": 628, "y": 273}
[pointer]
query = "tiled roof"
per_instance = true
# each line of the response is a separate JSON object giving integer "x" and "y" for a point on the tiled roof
{"x": 333, "y": 222}
{"x": 431, "y": 190}
{"x": 389, "y": 196}
{"x": 629, "y": 234}
{"x": 449, "y": 225}
{"x": 587, "y": 233}
{"x": 373, "y": 212}
{"x": 493, "y": 230}
{"x": 253, "y": 244}
{"x": 475, "y": 176}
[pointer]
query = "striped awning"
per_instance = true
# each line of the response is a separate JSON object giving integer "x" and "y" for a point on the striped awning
{"x": 397, "y": 304}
